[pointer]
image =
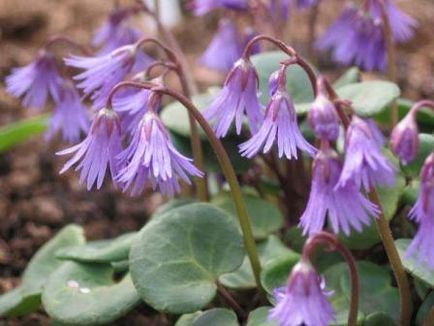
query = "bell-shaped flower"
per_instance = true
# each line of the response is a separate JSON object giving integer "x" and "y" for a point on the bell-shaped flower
{"x": 323, "y": 119}
{"x": 237, "y": 99}
{"x": 405, "y": 139}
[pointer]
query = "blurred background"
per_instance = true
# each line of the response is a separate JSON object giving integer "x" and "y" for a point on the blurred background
{"x": 35, "y": 201}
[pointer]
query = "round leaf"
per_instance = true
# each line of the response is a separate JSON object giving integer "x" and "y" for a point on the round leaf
{"x": 351, "y": 76}
{"x": 425, "y": 309}
{"x": 370, "y": 97}
{"x": 259, "y": 317}
{"x": 26, "y": 297}
{"x": 268, "y": 250}
{"x": 187, "y": 319}
{"x": 85, "y": 294}
{"x": 216, "y": 317}
{"x": 378, "y": 319}
{"x": 412, "y": 265}
{"x": 102, "y": 251}
{"x": 177, "y": 257}
{"x": 275, "y": 273}
{"x": 265, "y": 217}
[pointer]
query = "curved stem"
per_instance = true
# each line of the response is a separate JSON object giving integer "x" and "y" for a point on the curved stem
{"x": 224, "y": 162}
{"x": 56, "y": 39}
{"x": 424, "y": 103}
{"x": 333, "y": 244}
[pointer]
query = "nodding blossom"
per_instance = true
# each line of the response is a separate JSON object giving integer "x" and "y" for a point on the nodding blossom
{"x": 102, "y": 73}
{"x": 70, "y": 116}
{"x": 98, "y": 151}
{"x": 115, "y": 32}
{"x": 280, "y": 126}
{"x": 224, "y": 49}
{"x": 303, "y": 301}
{"x": 404, "y": 140}
{"x": 237, "y": 99}
{"x": 152, "y": 158}
{"x": 323, "y": 119}
{"x": 422, "y": 245}
{"x": 345, "y": 206}
{"x": 35, "y": 82}
{"x": 365, "y": 164}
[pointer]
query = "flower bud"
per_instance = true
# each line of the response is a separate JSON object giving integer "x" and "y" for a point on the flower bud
{"x": 323, "y": 119}
{"x": 405, "y": 139}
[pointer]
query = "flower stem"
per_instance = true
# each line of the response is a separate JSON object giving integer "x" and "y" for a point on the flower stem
{"x": 335, "y": 245}
{"x": 391, "y": 60}
{"x": 395, "y": 261}
{"x": 385, "y": 233}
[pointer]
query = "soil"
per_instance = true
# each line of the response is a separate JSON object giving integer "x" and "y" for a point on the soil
{"x": 35, "y": 201}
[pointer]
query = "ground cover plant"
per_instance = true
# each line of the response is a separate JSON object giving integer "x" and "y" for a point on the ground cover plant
{"x": 289, "y": 198}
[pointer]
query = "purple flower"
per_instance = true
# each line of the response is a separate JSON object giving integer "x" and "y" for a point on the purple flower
{"x": 356, "y": 37}
{"x": 103, "y": 72}
{"x": 323, "y": 119}
{"x": 115, "y": 32}
{"x": 248, "y": 34}
{"x": 98, "y": 151}
{"x": 224, "y": 50}
{"x": 365, "y": 165}
{"x": 346, "y": 207}
{"x": 36, "y": 81}
{"x": 152, "y": 158}
{"x": 201, "y": 7}
{"x": 279, "y": 126}
{"x": 70, "y": 116}
{"x": 303, "y": 301}
{"x": 423, "y": 209}
{"x": 238, "y": 97}
{"x": 401, "y": 24}
{"x": 423, "y": 213}
{"x": 304, "y": 4}
{"x": 405, "y": 139}
{"x": 279, "y": 9}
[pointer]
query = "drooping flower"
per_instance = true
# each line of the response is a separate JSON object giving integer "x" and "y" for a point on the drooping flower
{"x": 345, "y": 206}
{"x": 356, "y": 37}
{"x": 115, "y": 32}
{"x": 422, "y": 246}
{"x": 152, "y": 158}
{"x": 69, "y": 117}
{"x": 98, "y": 151}
{"x": 224, "y": 49}
{"x": 365, "y": 164}
{"x": 279, "y": 126}
{"x": 36, "y": 81}
{"x": 405, "y": 139}
{"x": 303, "y": 301}
{"x": 323, "y": 119}
{"x": 237, "y": 99}
{"x": 103, "y": 72}
{"x": 202, "y": 7}
{"x": 401, "y": 24}
{"x": 423, "y": 209}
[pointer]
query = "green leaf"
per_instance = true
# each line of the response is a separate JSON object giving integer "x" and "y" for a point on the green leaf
{"x": 258, "y": 317}
{"x": 297, "y": 82}
{"x": 369, "y": 98}
{"x": 389, "y": 198}
{"x": 409, "y": 196}
{"x": 26, "y": 297}
{"x": 85, "y": 294}
{"x": 175, "y": 116}
{"x": 216, "y": 317}
{"x": 425, "y": 116}
{"x": 268, "y": 250}
{"x": 379, "y": 319}
{"x": 426, "y": 148}
{"x": 101, "y": 251}
{"x": 376, "y": 292}
{"x": 351, "y": 76}
{"x": 177, "y": 257}
{"x": 265, "y": 217}
{"x": 172, "y": 204}
{"x": 230, "y": 143}
{"x": 425, "y": 309}
{"x": 187, "y": 319}
{"x": 18, "y": 132}
{"x": 412, "y": 265}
